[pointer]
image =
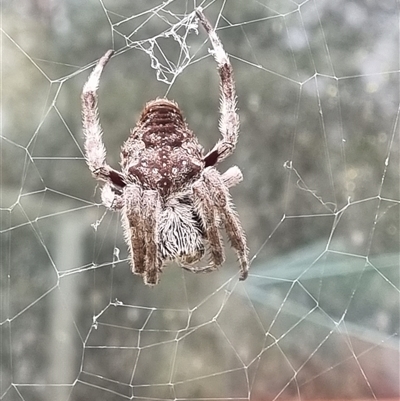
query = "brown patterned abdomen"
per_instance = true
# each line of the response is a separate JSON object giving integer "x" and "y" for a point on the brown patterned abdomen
{"x": 169, "y": 156}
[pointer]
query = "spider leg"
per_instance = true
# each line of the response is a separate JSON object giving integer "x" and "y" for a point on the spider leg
{"x": 95, "y": 151}
{"x": 140, "y": 222}
{"x": 132, "y": 223}
{"x": 229, "y": 120}
{"x": 221, "y": 199}
{"x": 111, "y": 198}
{"x": 151, "y": 204}
{"x": 204, "y": 205}
{"x": 232, "y": 176}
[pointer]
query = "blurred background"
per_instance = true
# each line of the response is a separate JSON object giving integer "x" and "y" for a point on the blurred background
{"x": 318, "y": 97}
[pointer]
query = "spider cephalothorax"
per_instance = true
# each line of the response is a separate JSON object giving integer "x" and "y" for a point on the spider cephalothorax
{"x": 172, "y": 199}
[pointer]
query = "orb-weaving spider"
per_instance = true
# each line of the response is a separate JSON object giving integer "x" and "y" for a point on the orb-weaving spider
{"x": 172, "y": 199}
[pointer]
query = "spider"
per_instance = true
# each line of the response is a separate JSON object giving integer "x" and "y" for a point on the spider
{"x": 172, "y": 199}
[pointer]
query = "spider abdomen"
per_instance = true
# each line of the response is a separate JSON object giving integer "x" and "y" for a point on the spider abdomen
{"x": 162, "y": 152}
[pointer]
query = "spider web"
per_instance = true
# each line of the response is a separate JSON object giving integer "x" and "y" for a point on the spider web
{"x": 318, "y": 317}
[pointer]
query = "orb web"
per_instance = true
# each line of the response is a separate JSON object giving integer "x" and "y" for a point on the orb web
{"x": 318, "y": 96}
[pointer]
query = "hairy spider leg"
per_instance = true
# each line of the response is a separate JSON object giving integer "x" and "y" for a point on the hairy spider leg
{"x": 221, "y": 201}
{"x": 133, "y": 229}
{"x": 206, "y": 211}
{"x": 140, "y": 218}
{"x": 151, "y": 212}
{"x": 95, "y": 151}
{"x": 229, "y": 120}
{"x": 232, "y": 176}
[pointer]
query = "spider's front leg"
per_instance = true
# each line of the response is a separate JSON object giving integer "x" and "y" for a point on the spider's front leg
{"x": 232, "y": 176}
{"x": 140, "y": 218}
{"x": 214, "y": 184}
{"x": 151, "y": 216}
{"x": 95, "y": 151}
{"x": 111, "y": 198}
{"x": 206, "y": 211}
{"x": 229, "y": 121}
{"x": 132, "y": 224}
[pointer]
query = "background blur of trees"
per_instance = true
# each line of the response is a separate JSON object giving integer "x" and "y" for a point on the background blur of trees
{"x": 318, "y": 97}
